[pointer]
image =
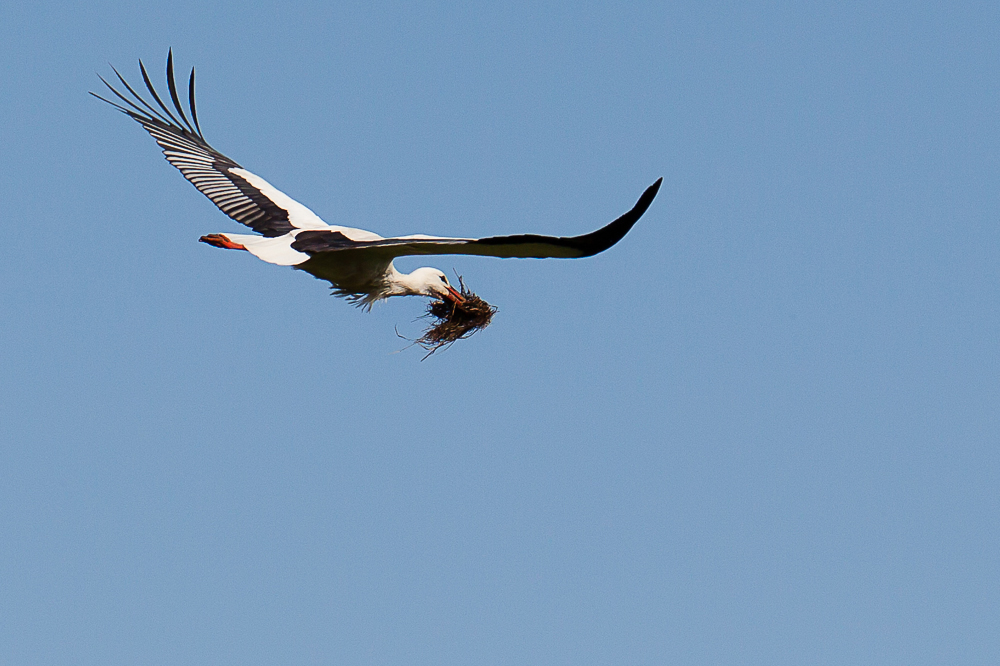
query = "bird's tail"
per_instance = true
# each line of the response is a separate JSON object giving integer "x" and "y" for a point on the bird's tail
{"x": 272, "y": 250}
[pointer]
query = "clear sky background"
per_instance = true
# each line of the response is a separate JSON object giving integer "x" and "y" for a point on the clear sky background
{"x": 763, "y": 429}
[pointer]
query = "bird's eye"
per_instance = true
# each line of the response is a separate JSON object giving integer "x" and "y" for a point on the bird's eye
{"x": 444, "y": 279}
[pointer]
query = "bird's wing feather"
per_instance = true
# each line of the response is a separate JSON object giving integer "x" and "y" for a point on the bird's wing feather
{"x": 240, "y": 194}
{"x": 524, "y": 246}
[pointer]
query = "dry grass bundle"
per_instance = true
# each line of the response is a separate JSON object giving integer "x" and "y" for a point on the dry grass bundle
{"x": 455, "y": 321}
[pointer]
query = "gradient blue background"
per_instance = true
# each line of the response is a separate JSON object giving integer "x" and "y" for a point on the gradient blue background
{"x": 763, "y": 429}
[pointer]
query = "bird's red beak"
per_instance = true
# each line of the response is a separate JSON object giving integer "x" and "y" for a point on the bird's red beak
{"x": 455, "y": 295}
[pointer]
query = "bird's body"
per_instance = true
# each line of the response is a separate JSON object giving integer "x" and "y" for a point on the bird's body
{"x": 357, "y": 263}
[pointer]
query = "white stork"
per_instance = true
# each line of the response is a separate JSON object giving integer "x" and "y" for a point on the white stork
{"x": 358, "y": 263}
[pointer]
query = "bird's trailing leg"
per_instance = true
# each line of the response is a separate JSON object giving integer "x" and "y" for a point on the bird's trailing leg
{"x": 219, "y": 240}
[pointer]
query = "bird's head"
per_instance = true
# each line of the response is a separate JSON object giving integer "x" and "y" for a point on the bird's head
{"x": 432, "y": 282}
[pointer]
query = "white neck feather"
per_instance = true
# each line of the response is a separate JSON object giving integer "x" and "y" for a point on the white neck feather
{"x": 405, "y": 284}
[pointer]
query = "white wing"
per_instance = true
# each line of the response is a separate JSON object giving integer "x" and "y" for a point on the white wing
{"x": 320, "y": 242}
{"x": 240, "y": 194}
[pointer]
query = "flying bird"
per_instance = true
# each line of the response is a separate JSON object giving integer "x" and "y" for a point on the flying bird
{"x": 358, "y": 263}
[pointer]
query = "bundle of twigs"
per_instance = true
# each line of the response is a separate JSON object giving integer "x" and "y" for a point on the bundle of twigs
{"x": 455, "y": 321}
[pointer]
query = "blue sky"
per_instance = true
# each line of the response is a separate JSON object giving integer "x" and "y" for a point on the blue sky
{"x": 761, "y": 429}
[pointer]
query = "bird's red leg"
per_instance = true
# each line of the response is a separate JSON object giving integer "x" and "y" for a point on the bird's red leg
{"x": 219, "y": 240}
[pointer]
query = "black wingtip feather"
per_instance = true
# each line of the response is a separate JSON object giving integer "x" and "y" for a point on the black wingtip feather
{"x": 172, "y": 85}
{"x": 152, "y": 91}
{"x": 598, "y": 241}
{"x": 125, "y": 83}
{"x": 147, "y": 110}
{"x": 647, "y": 198}
{"x": 194, "y": 112}
{"x": 134, "y": 112}
{"x": 108, "y": 101}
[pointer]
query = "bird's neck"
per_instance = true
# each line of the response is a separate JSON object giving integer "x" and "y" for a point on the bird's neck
{"x": 402, "y": 284}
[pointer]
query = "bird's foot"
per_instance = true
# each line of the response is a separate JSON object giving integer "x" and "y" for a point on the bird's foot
{"x": 219, "y": 240}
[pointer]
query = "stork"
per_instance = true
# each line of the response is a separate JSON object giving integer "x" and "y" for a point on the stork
{"x": 357, "y": 263}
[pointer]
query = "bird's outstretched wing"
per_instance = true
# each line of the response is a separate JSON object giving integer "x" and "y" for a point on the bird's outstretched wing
{"x": 243, "y": 196}
{"x": 319, "y": 242}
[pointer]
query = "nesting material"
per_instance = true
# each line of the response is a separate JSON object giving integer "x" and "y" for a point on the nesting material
{"x": 455, "y": 321}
